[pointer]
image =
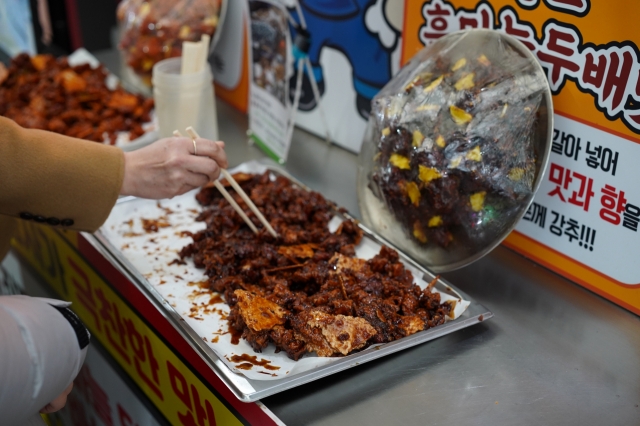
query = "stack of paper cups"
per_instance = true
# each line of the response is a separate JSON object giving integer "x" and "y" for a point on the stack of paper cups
{"x": 183, "y": 100}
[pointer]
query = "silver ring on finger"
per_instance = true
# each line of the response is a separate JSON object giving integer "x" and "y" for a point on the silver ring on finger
{"x": 195, "y": 147}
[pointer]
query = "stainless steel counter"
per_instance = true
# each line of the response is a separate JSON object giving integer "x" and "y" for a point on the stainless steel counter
{"x": 554, "y": 354}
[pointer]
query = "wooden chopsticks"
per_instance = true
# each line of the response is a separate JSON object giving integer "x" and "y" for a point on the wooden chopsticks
{"x": 193, "y": 134}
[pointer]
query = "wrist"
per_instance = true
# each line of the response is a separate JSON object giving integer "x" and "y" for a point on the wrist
{"x": 127, "y": 181}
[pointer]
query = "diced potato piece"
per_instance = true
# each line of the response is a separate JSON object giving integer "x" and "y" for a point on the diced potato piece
{"x": 459, "y": 115}
{"x": 455, "y": 162}
{"x": 211, "y": 21}
{"x": 504, "y": 110}
{"x": 516, "y": 174}
{"x": 418, "y": 137}
{"x": 72, "y": 82}
{"x": 440, "y": 141}
{"x": 413, "y": 192}
{"x": 39, "y": 62}
{"x": 386, "y": 131}
{"x": 435, "y": 83}
{"x": 144, "y": 10}
{"x": 435, "y": 221}
{"x": 417, "y": 232}
{"x": 465, "y": 82}
{"x": 477, "y": 200}
{"x": 484, "y": 60}
{"x": 428, "y": 107}
{"x": 427, "y": 174}
{"x": 459, "y": 64}
{"x": 184, "y": 32}
{"x": 474, "y": 154}
{"x": 400, "y": 161}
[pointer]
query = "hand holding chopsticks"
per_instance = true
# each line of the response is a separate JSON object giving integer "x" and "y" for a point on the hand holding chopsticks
{"x": 194, "y": 135}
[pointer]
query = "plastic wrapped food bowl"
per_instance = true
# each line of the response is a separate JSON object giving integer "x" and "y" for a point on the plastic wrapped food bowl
{"x": 455, "y": 148}
{"x": 153, "y": 30}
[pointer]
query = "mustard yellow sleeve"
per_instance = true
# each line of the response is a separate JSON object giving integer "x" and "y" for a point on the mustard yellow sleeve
{"x": 55, "y": 179}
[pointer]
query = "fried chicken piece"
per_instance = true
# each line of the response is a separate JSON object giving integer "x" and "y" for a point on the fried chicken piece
{"x": 343, "y": 263}
{"x": 123, "y": 102}
{"x": 40, "y": 62}
{"x": 71, "y": 81}
{"x": 42, "y": 92}
{"x": 300, "y": 251}
{"x": 3, "y": 73}
{"x": 410, "y": 324}
{"x": 330, "y": 335}
{"x": 259, "y": 313}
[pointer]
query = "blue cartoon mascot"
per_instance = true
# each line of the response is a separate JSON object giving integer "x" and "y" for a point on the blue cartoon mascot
{"x": 340, "y": 24}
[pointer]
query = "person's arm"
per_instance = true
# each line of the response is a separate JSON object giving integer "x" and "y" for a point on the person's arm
{"x": 61, "y": 181}
{"x": 40, "y": 356}
{"x": 58, "y": 180}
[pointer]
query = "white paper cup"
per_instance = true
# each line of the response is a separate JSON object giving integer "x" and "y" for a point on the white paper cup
{"x": 183, "y": 100}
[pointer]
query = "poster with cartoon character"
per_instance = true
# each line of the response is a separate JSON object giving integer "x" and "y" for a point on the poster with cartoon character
{"x": 354, "y": 51}
{"x": 269, "y": 106}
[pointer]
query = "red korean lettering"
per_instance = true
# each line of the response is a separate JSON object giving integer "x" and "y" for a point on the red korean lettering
{"x": 124, "y": 417}
{"x": 84, "y": 291}
{"x": 179, "y": 385}
{"x": 523, "y": 32}
{"x": 617, "y": 78}
{"x": 143, "y": 354}
{"x": 114, "y": 327}
{"x": 439, "y": 20}
{"x": 482, "y": 17}
{"x": 78, "y": 411}
{"x": 204, "y": 416}
{"x": 559, "y": 49}
{"x": 632, "y": 114}
{"x": 612, "y": 204}
{"x": 575, "y": 7}
{"x": 94, "y": 393}
{"x": 611, "y": 74}
{"x": 561, "y": 178}
{"x": 583, "y": 196}
{"x": 205, "y": 413}
{"x": 594, "y": 69}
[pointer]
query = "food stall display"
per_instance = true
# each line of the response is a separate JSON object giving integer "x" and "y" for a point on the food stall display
{"x": 456, "y": 146}
{"x": 155, "y": 30}
{"x": 324, "y": 296}
{"x": 42, "y": 92}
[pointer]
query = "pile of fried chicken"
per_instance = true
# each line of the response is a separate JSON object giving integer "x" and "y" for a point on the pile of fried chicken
{"x": 305, "y": 291}
{"x": 42, "y": 92}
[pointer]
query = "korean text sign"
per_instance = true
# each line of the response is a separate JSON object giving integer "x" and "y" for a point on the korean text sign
{"x": 584, "y": 219}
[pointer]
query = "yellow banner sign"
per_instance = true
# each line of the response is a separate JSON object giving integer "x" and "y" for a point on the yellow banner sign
{"x": 163, "y": 377}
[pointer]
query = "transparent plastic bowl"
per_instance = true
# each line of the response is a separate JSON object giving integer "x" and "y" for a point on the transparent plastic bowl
{"x": 456, "y": 147}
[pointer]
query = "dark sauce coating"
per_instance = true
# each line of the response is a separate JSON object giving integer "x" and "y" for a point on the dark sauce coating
{"x": 307, "y": 269}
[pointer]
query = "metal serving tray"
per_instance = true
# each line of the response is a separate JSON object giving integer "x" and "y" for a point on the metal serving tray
{"x": 252, "y": 390}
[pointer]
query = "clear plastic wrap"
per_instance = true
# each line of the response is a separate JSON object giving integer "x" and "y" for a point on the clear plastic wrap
{"x": 455, "y": 148}
{"x": 154, "y": 30}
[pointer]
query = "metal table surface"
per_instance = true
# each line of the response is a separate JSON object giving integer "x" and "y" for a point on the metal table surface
{"x": 554, "y": 354}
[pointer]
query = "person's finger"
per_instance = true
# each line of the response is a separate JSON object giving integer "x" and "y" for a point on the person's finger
{"x": 196, "y": 180}
{"x": 185, "y": 188}
{"x": 212, "y": 150}
{"x": 203, "y": 165}
{"x": 221, "y": 144}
